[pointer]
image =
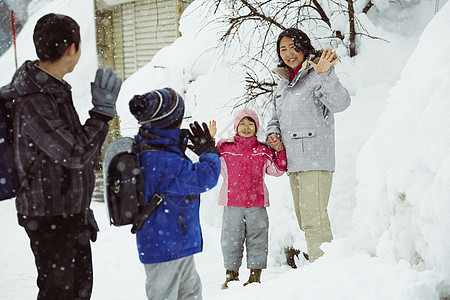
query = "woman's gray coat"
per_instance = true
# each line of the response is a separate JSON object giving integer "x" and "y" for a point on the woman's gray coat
{"x": 303, "y": 116}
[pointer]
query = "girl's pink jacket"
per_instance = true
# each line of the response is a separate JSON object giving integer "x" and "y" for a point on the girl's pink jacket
{"x": 245, "y": 161}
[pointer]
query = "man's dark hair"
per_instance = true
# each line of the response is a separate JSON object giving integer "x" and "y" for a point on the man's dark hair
{"x": 53, "y": 35}
{"x": 302, "y": 43}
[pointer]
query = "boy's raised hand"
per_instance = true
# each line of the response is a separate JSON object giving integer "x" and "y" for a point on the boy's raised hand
{"x": 212, "y": 128}
{"x": 201, "y": 139}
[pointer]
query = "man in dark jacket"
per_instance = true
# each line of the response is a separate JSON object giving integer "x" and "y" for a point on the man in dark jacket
{"x": 54, "y": 206}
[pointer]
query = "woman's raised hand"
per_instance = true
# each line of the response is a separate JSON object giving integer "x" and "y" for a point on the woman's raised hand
{"x": 326, "y": 61}
{"x": 212, "y": 128}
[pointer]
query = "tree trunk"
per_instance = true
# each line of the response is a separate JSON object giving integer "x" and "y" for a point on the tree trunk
{"x": 351, "y": 19}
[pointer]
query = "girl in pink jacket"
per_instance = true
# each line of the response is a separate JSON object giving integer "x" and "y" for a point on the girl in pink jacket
{"x": 245, "y": 161}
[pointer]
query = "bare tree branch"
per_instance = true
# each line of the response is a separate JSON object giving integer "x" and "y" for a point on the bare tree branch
{"x": 322, "y": 13}
{"x": 262, "y": 16}
{"x": 367, "y": 7}
{"x": 267, "y": 18}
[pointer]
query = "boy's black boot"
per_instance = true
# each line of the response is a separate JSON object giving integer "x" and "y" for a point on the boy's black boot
{"x": 255, "y": 276}
{"x": 230, "y": 276}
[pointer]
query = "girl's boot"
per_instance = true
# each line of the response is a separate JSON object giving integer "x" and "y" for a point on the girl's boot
{"x": 255, "y": 276}
{"x": 230, "y": 276}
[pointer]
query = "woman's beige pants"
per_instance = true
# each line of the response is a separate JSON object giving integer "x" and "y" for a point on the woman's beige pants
{"x": 311, "y": 192}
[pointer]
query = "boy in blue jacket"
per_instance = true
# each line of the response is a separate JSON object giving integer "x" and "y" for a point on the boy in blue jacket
{"x": 172, "y": 234}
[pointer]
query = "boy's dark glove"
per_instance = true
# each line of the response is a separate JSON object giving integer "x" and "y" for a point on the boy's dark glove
{"x": 90, "y": 221}
{"x": 201, "y": 139}
{"x": 105, "y": 90}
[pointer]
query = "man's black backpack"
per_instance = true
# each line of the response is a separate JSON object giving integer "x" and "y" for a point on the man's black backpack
{"x": 9, "y": 182}
{"x": 10, "y": 185}
{"x": 124, "y": 184}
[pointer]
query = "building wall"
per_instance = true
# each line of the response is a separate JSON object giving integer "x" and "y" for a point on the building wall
{"x": 130, "y": 33}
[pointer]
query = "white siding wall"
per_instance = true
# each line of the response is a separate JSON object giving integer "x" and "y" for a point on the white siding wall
{"x": 140, "y": 30}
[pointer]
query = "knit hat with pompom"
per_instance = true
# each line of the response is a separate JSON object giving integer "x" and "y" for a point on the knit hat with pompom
{"x": 158, "y": 109}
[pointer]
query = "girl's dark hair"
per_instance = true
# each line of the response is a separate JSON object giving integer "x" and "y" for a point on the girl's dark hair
{"x": 302, "y": 43}
{"x": 248, "y": 118}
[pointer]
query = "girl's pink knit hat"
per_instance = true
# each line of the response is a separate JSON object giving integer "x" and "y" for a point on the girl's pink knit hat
{"x": 246, "y": 112}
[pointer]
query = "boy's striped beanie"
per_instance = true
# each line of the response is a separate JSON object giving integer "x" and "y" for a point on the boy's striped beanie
{"x": 158, "y": 109}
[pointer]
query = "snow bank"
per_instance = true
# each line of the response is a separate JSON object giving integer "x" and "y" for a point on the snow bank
{"x": 404, "y": 168}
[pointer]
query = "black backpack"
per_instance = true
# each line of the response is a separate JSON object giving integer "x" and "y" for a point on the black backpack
{"x": 10, "y": 185}
{"x": 124, "y": 184}
{"x": 9, "y": 182}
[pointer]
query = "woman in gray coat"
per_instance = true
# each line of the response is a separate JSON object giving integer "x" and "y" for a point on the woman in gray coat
{"x": 304, "y": 103}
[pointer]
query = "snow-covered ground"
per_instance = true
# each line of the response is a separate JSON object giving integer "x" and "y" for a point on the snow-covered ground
{"x": 389, "y": 206}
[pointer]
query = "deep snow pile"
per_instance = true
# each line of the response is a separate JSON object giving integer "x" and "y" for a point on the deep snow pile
{"x": 398, "y": 248}
{"x": 404, "y": 168}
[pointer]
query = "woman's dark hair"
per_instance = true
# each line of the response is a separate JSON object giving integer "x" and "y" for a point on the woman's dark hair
{"x": 53, "y": 35}
{"x": 302, "y": 43}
